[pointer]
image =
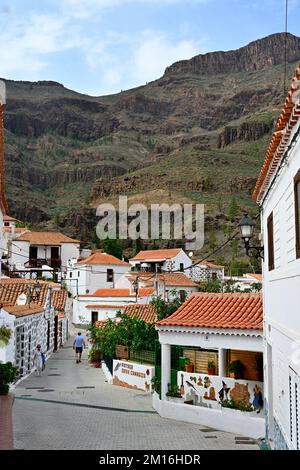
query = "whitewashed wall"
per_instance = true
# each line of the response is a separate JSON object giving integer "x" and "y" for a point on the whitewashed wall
{"x": 281, "y": 300}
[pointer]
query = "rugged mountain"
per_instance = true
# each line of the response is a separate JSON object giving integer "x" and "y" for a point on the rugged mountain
{"x": 196, "y": 134}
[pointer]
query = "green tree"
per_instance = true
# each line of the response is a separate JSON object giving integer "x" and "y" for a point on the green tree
{"x": 165, "y": 308}
{"x": 213, "y": 285}
{"x": 113, "y": 247}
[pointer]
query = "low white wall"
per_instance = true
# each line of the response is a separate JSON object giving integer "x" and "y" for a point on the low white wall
{"x": 225, "y": 420}
{"x": 107, "y": 373}
{"x": 133, "y": 375}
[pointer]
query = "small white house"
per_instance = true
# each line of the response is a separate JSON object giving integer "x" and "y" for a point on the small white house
{"x": 48, "y": 250}
{"x": 166, "y": 285}
{"x": 11, "y": 231}
{"x": 99, "y": 270}
{"x": 204, "y": 271}
{"x": 174, "y": 259}
{"x": 31, "y": 316}
{"x": 278, "y": 194}
{"x": 214, "y": 331}
{"x": 105, "y": 303}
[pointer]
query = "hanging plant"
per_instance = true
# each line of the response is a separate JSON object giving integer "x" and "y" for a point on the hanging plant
{"x": 5, "y": 335}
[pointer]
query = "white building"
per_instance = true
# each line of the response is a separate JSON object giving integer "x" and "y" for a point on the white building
{"x": 278, "y": 195}
{"x": 166, "y": 285}
{"x": 174, "y": 259}
{"x": 213, "y": 331}
{"x": 246, "y": 283}
{"x": 36, "y": 251}
{"x": 205, "y": 271}
{"x": 99, "y": 270}
{"x": 105, "y": 303}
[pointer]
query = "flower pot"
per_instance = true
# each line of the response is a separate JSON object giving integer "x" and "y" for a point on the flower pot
{"x": 211, "y": 371}
{"x": 189, "y": 368}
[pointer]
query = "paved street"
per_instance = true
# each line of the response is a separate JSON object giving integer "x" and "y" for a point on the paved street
{"x": 75, "y": 408}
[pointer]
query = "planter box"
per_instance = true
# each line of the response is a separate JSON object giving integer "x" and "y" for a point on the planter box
{"x": 175, "y": 399}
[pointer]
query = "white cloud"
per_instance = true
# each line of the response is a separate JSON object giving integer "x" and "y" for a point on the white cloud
{"x": 157, "y": 52}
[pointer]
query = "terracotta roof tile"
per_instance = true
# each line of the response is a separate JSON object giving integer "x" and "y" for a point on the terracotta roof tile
{"x": 103, "y": 258}
{"x": 11, "y": 289}
{"x": 59, "y": 299}
{"x": 257, "y": 277}
{"x": 280, "y": 138}
{"x": 143, "y": 312}
{"x": 209, "y": 264}
{"x": 23, "y": 310}
{"x": 212, "y": 310}
{"x": 170, "y": 279}
{"x": 156, "y": 255}
{"x": 46, "y": 238}
{"x": 143, "y": 292}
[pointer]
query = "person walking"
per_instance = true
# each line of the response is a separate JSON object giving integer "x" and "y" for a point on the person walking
{"x": 78, "y": 346}
{"x": 38, "y": 360}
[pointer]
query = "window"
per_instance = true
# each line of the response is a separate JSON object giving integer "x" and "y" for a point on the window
{"x": 6, "y": 224}
{"x": 214, "y": 276}
{"x": 71, "y": 274}
{"x": 78, "y": 273}
{"x": 183, "y": 295}
{"x": 270, "y": 226}
{"x": 297, "y": 212}
{"x": 181, "y": 267}
{"x": 110, "y": 275}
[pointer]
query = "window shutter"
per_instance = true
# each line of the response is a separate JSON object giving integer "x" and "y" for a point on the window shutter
{"x": 270, "y": 242}
{"x": 297, "y": 212}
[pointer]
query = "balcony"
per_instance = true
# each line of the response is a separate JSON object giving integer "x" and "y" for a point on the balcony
{"x": 55, "y": 263}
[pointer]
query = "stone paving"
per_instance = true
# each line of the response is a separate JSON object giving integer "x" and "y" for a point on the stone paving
{"x": 59, "y": 415}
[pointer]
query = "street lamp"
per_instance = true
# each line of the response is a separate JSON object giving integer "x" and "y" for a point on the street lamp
{"x": 135, "y": 285}
{"x": 34, "y": 291}
{"x": 246, "y": 226}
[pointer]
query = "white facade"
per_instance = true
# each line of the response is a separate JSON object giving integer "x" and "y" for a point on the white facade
{"x": 207, "y": 411}
{"x": 20, "y": 253}
{"x": 84, "y": 279}
{"x": 175, "y": 263}
{"x": 203, "y": 272}
{"x": 281, "y": 310}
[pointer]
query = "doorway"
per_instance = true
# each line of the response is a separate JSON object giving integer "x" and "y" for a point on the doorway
{"x": 94, "y": 317}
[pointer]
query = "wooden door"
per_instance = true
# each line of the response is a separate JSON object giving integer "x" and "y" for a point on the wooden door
{"x": 94, "y": 317}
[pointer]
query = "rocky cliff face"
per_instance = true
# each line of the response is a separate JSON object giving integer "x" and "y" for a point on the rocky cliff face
{"x": 257, "y": 55}
{"x": 190, "y": 133}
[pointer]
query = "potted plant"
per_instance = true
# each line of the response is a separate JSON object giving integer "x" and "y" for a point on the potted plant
{"x": 235, "y": 369}
{"x": 173, "y": 393}
{"x": 156, "y": 384}
{"x": 211, "y": 368}
{"x": 8, "y": 373}
{"x": 95, "y": 357}
{"x": 189, "y": 367}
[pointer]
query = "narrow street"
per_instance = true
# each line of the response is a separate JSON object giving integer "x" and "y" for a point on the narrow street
{"x": 72, "y": 407}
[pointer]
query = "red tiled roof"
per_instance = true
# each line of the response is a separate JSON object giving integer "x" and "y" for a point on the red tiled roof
{"x": 213, "y": 310}
{"x": 156, "y": 255}
{"x": 103, "y": 258}
{"x": 59, "y": 299}
{"x": 11, "y": 289}
{"x": 143, "y": 292}
{"x": 170, "y": 279}
{"x": 46, "y": 238}
{"x": 258, "y": 277}
{"x": 285, "y": 124}
{"x": 209, "y": 264}
{"x": 143, "y": 312}
{"x": 23, "y": 310}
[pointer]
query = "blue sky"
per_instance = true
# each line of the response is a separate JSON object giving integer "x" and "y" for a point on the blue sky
{"x": 102, "y": 46}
